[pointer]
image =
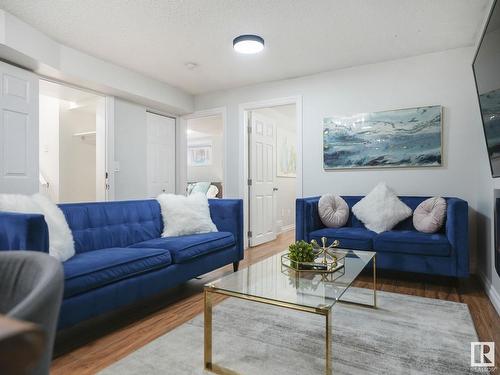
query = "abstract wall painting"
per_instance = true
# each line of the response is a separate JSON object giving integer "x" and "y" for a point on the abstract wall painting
{"x": 286, "y": 154}
{"x": 199, "y": 155}
{"x": 402, "y": 138}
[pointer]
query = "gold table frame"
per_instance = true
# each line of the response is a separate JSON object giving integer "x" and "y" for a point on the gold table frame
{"x": 325, "y": 311}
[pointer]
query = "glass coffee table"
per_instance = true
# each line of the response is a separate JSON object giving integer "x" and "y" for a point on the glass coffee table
{"x": 270, "y": 282}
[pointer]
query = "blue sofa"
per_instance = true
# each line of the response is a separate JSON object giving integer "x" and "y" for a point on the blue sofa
{"x": 120, "y": 257}
{"x": 403, "y": 248}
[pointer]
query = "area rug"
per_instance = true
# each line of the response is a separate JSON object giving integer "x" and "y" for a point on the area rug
{"x": 404, "y": 335}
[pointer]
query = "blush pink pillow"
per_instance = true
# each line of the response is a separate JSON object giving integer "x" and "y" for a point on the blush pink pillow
{"x": 333, "y": 211}
{"x": 429, "y": 216}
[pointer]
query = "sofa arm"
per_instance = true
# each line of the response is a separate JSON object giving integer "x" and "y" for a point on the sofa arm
{"x": 457, "y": 231}
{"x": 20, "y": 231}
{"x": 307, "y": 217}
{"x": 227, "y": 215}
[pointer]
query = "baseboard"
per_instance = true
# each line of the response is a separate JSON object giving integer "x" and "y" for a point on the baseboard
{"x": 490, "y": 292}
{"x": 287, "y": 228}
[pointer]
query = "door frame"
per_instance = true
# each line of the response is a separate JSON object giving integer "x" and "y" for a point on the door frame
{"x": 244, "y": 153}
{"x": 109, "y": 133}
{"x": 182, "y": 142}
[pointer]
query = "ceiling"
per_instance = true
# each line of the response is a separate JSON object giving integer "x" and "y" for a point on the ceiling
{"x": 157, "y": 38}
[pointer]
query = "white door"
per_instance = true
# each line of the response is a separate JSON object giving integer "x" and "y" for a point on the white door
{"x": 161, "y": 154}
{"x": 18, "y": 130}
{"x": 261, "y": 175}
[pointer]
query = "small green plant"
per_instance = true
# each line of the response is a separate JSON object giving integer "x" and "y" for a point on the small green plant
{"x": 301, "y": 251}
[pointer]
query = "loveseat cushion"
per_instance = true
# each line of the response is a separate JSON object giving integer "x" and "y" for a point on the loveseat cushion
{"x": 186, "y": 248}
{"x": 94, "y": 269}
{"x": 412, "y": 242}
{"x": 349, "y": 237}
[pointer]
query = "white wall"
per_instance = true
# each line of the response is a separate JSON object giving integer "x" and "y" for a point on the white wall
{"x": 443, "y": 78}
{"x": 130, "y": 132}
{"x": 285, "y": 211}
{"x": 49, "y": 143}
{"x": 77, "y": 157}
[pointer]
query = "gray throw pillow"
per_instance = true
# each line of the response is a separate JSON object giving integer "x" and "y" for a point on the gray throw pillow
{"x": 333, "y": 210}
{"x": 429, "y": 215}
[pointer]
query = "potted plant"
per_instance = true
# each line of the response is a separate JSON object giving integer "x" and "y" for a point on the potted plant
{"x": 301, "y": 252}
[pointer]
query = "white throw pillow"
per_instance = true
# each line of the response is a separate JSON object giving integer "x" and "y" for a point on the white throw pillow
{"x": 61, "y": 245}
{"x": 185, "y": 215}
{"x": 333, "y": 211}
{"x": 381, "y": 209}
{"x": 212, "y": 192}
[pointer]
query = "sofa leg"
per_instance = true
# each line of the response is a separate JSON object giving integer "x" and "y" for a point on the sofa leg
{"x": 236, "y": 265}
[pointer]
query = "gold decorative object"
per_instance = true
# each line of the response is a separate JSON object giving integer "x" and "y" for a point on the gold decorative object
{"x": 327, "y": 259}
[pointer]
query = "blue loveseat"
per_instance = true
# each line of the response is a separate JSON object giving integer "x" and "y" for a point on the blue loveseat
{"x": 403, "y": 248}
{"x": 120, "y": 256}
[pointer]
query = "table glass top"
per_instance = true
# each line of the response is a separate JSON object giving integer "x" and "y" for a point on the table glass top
{"x": 270, "y": 280}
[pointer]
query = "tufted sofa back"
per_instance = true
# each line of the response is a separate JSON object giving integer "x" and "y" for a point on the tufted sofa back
{"x": 100, "y": 225}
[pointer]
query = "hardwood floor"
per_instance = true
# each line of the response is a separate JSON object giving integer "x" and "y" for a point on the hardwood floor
{"x": 95, "y": 345}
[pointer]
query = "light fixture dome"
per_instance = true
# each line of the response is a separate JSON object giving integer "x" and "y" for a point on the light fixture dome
{"x": 248, "y": 44}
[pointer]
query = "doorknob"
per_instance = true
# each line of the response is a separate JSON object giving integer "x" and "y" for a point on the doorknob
{"x": 275, "y": 189}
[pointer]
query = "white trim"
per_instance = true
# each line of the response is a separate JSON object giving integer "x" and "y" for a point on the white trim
{"x": 490, "y": 291}
{"x": 243, "y": 121}
{"x": 110, "y": 146}
{"x": 182, "y": 142}
{"x": 287, "y": 228}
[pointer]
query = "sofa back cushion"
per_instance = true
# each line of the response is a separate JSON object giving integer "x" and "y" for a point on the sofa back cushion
{"x": 406, "y": 224}
{"x": 102, "y": 225}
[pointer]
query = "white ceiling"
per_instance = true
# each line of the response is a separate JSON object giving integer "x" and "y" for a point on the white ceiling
{"x": 157, "y": 38}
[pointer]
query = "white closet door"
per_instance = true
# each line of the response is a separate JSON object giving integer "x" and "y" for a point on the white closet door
{"x": 161, "y": 154}
{"x": 262, "y": 172}
{"x": 18, "y": 130}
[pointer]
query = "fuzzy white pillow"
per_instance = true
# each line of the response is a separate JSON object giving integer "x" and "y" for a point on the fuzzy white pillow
{"x": 61, "y": 245}
{"x": 381, "y": 209}
{"x": 185, "y": 215}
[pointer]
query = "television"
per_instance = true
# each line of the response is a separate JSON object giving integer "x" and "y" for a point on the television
{"x": 486, "y": 67}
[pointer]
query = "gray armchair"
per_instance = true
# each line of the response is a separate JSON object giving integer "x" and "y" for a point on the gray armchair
{"x": 31, "y": 288}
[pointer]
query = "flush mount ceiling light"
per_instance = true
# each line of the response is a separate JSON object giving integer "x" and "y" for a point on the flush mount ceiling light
{"x": 248, "y": 44}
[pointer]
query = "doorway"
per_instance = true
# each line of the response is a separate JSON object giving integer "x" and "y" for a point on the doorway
{"x": 205, "y": 155}
{"x": 72, "y": 144}
{"x": 272, "y": 171}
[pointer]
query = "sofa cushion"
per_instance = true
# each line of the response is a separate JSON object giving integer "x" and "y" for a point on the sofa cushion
{"x": 186, "y": 248}
{"x": 94, "y": 269}
{"x": 412, "y": 242}
{"x": 350, "y": 238}
{"x": 103, "y": 225}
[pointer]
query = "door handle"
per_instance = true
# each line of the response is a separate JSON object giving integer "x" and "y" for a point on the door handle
{"x": 275, "y": 189}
